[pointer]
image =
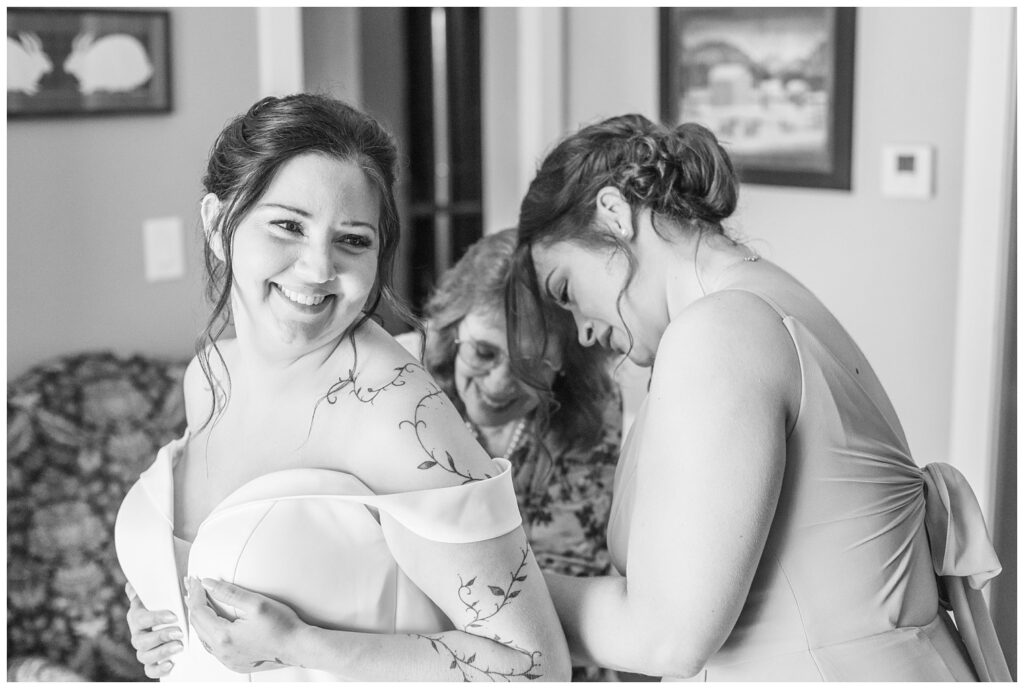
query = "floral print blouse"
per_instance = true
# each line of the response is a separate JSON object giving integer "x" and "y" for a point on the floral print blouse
{"x": 565, "y": 498}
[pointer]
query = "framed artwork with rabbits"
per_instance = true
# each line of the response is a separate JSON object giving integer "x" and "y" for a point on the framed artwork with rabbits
{"x": 87, "y": 62}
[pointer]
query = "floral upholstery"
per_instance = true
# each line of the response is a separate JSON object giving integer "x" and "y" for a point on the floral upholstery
{"x": 80, "y": 429}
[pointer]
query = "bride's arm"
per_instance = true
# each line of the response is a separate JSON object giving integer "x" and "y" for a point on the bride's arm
{"x": 506, "y": 628}
{"x": 492, "y": 591}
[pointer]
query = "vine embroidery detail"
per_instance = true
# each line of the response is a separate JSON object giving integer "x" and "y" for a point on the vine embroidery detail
{"x": 418, "y": 424}
{"x": 264, "y": 662}
{"x": 506, "y": 594}
{"x": 366, "y": 395}
{"x": 465, "y": 664}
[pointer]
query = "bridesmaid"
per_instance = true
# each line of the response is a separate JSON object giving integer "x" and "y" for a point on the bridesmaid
{"x": 769, "y": 522}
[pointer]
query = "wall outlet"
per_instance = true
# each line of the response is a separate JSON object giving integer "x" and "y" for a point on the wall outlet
{"x": 908, "y": 171}
{"x": 163, "y": 241}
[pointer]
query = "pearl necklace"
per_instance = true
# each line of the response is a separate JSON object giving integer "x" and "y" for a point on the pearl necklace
{"x": 513, "y": 443}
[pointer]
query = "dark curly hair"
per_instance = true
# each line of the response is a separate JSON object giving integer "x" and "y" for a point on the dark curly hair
{"x": 572, "y": 409}
{"x": 243, "y": 162}
{"x": 682, "y": 175}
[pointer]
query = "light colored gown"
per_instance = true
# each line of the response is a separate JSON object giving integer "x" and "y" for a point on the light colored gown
{"x": 846, "y": 585}
{"x": 315, "y": 539}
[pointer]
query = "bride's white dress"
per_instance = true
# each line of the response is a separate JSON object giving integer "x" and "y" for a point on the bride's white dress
{"x": 316, "y": 539}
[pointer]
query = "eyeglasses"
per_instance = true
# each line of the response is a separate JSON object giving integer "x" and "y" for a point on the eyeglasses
{"x": 482, "y": 357}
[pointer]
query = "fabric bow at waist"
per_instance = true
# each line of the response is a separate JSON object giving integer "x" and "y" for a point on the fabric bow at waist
{"x": 962, "y": 551}
{"x": 956, "y": 528}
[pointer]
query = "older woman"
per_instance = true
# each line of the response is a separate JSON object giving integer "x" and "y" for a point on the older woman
{"x": 562, "y": 439}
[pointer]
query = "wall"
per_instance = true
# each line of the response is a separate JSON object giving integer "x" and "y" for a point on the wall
{"x": 79, "y": 189}
{"x": 503, "y": 186}
{"x": 279, "y": 47}
{"x": 613, "y": 63}
{"x": 330, "y": 52}
{"x": 887, "y": 268}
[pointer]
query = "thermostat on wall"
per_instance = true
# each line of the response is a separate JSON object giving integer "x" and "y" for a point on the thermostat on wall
{"x": 907, "y": 171}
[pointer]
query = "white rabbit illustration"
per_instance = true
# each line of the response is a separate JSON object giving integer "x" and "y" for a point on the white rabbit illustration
{"x": 116, "y": 62}
{"x": 26, "y": 63}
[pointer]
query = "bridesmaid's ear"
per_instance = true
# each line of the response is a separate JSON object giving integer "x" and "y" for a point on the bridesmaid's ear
{"x": 614, "y": 213}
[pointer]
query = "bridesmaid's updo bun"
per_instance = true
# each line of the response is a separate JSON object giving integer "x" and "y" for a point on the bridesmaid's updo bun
{"x": 682, "y": 174}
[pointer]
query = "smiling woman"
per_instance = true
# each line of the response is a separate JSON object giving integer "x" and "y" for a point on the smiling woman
{"x": 248, "y": 545}
{"x": 305, "y": 258}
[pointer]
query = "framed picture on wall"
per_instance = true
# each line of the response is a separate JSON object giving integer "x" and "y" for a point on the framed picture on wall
{"x": 775, "y": 84}
{"x": 87, "y": 62}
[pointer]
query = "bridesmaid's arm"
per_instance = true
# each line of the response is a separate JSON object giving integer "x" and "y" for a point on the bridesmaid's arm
{"x": 725, "y": 389}
{"x": 572, "y": 595}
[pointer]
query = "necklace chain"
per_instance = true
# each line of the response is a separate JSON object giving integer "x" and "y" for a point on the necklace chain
{"x": 513, "y": 443}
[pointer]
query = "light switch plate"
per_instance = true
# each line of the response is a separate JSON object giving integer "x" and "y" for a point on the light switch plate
{"x": 908, "y": 171}
{"x": 164, "y": 248}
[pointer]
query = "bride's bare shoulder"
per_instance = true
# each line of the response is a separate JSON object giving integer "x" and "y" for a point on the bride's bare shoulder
{"x": 410, "y": 435}
{"x": 374, "y": 370}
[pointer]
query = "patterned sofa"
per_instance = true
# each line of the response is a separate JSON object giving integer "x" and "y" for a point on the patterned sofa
{"x": 80, "y": 429}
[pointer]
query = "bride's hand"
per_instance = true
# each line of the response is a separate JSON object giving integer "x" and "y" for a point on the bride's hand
{"x": 153, "y": 647}
{"x": 254, "y": 640}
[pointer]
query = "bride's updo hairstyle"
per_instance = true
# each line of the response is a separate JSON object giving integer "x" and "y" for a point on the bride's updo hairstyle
{"x": 682, "y": 175}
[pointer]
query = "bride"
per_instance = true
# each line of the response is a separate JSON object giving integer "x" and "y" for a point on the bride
{"x": 322, "y": 466}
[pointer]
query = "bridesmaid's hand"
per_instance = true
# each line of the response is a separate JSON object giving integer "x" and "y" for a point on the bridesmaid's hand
{"x": 153, "y": 648}
{"x": 254, "y": 640}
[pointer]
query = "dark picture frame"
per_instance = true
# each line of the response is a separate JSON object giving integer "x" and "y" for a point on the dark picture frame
{"x": 775, "y": 84}
{"x": 68, "y": 62}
